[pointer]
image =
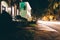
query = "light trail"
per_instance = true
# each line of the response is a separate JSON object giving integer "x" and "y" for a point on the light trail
{"x": 48, "y": 22}
{"x": 47, "y": 25}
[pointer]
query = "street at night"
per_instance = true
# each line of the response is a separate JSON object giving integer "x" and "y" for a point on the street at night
{"x": 29, "y": 19}
{"x": 49, "y": 25}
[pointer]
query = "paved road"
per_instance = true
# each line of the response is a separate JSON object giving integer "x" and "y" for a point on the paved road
{"x": 48, "y": 25}
{"x": 46, "y": 30}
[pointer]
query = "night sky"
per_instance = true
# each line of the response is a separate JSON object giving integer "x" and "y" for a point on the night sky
{"x": 41, "y": 4}
{"x": 38, "y": 6}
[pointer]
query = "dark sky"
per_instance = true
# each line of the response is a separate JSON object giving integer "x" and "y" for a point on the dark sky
{"x": 39, "y": 4}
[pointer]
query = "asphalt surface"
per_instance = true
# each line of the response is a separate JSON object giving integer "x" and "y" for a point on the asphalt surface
{"x": 49, "y": 25}
{"x": 47, "y": 30}
{"x": 44, "y": 30}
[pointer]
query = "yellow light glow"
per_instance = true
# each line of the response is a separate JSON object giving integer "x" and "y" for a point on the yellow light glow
{"x": 55, "y": 6}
